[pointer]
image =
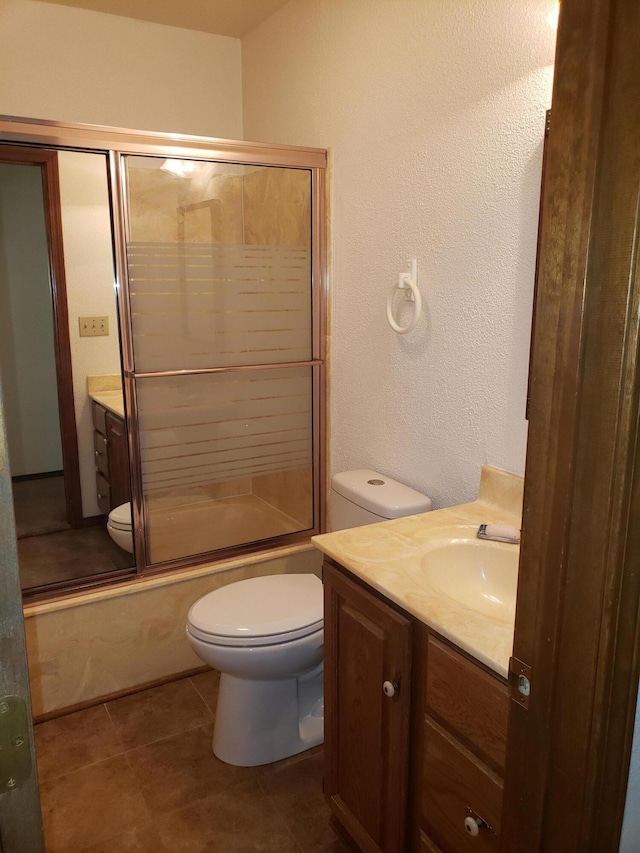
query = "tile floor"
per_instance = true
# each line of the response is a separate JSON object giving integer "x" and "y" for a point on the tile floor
{"x": 68, "y": 555}
{"x": 138, "y": 774}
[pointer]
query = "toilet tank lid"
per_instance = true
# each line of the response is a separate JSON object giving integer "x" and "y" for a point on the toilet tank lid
{"x": 379, "y": 494}
{"x": 260, "y": 607}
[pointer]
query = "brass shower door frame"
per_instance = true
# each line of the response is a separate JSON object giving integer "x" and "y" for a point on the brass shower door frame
{"x": 249, "y": 156}
{"x": 117, "y": 143}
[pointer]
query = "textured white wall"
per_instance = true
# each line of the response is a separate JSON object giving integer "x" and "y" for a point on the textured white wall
{"x": 70, "y": 64}
{"x": 434, "y": 113}
{"x": 27, "y": 355}
{"x": 90, "y": 277}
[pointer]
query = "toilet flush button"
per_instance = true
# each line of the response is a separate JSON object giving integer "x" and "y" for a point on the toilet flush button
{"x": 375, "y": 482}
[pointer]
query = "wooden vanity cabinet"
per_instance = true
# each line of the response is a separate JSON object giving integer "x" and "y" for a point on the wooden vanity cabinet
{"x": 367, "y": 705}
{"x": 405, "y": 775}
{"x": 111, "y": 458}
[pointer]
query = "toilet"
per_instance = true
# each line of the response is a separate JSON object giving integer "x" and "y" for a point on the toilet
{"x": 265, "y": 636}
{"x": 120, "y": 528}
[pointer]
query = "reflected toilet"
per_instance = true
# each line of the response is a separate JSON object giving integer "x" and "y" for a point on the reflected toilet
{"x": 120, "y": 527}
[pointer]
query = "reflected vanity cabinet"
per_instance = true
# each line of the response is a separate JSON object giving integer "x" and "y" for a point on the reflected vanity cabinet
{"x": 112, "y": 459}
{"x": 415, "y": 730}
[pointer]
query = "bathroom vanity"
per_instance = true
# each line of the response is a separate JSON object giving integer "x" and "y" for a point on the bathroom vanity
{"x": 416, "y": 730}
{"x": 113, "y": 482}
{"x": 418, "y": 634}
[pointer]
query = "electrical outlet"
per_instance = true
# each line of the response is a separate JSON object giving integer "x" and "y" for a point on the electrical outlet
{"x": 93, "y": 327}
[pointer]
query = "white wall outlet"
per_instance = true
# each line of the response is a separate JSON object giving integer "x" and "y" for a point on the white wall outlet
{"x": 93, "y": 327}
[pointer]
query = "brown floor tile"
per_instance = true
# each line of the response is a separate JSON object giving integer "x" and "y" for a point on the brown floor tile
{"x": 69, "y": 554}
{"x": 277, "y": 766}
{"x": 208, "y": 684}
{"x": 88, "y": 805}
{"x": 182, "y": 769}
{"x": 158, "y": 713}
{"x": 144, "y": 839}
{"x": 239, "y": 821}
{"x": 74, "y": 741}
{"x": 295, "y": 790}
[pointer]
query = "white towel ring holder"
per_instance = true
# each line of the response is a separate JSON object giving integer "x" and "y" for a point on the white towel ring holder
{"x": 407, "y": 284}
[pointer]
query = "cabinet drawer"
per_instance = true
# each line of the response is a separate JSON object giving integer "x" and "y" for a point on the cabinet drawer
{"x": 100, "y": 453}
{"x": 104, "y": 494}
{"x": 99, "y": 414}
{"x": 454, "y": 781}
{"x": 468, "y": 701}
{"x": 427, "y": 845}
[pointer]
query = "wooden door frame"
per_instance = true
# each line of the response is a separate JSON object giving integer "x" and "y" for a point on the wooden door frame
{"x": 47, "y": 160}
{"x": 578, "y": 612}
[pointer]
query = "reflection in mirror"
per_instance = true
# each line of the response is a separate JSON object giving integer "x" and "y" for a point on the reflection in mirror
{"x": 48, "y": 382}
{"x": 219, "y": 270}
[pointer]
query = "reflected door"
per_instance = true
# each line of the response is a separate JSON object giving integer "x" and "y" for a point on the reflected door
{"x": 221, "y": 310}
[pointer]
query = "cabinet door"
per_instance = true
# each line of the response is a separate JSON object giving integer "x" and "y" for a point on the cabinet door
{"x": 367, "y": 644}
{"x": 119, "y": 478}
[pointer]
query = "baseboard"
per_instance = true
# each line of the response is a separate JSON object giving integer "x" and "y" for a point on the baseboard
{"x": 94, "y": 520}
{"x": 22, "y": 478}
{"x": 100, "y": 700}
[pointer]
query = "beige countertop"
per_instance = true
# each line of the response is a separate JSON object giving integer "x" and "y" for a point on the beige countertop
{"x": 113, "y": 401}
{"x": 388, "y": 557}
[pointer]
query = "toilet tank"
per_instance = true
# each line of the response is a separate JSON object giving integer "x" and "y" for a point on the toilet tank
{"x": 365, "y": 497}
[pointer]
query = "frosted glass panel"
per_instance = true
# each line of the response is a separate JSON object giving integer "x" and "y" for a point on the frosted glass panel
{"x": 226, "y": 458}
{"x": 219, "y": 262}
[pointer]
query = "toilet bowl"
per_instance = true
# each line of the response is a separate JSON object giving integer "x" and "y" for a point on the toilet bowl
{"x": 120, "y": 528}
{"x": 265, "y": 636}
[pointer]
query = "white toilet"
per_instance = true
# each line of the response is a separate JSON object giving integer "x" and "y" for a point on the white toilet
{"x": 120, "y": 528}
{"x": 265, "y": 636}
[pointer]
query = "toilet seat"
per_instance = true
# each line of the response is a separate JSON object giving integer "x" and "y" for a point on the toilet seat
{"x": 259, "y": 612}
{"x": 120, "y": 517}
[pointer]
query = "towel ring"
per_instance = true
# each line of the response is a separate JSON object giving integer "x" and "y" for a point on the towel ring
{"x": 407, "y": 285}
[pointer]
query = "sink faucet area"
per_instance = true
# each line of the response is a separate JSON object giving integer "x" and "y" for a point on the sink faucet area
{"x": 437, "y": 567}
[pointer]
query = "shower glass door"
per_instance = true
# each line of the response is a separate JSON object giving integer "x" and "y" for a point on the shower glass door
{"x": 219, "y": 271}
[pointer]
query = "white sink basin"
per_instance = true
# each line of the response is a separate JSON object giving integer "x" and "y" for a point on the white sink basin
{"x": 480, "y": 575}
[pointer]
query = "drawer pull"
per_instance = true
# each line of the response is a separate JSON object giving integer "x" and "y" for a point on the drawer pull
{"x": 472, "y": 826}
{"x": 390, "y": 689}
{"x": 473, "y": 823}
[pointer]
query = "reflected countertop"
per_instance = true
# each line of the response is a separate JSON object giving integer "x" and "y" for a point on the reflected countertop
{"x": 388, "y": 555}
{"x": 113, "y": 401}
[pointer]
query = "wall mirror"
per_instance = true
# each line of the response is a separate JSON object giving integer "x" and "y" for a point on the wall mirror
{"x": 162, "y": 349}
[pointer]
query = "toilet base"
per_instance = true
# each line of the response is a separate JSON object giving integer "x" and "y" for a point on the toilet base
{"x": 259, "y": 722}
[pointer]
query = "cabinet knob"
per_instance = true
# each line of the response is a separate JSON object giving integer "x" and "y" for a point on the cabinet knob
{"x": 389, "y": 689}
{"x": 472, "y": 826}
{"x": 473, "y": 823}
